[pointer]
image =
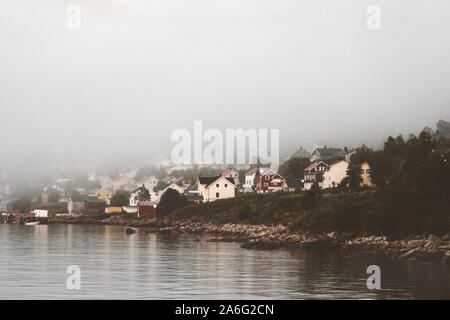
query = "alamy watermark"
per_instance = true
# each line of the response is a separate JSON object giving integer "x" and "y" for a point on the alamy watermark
{"x": 73, "y": 21}
{"x": 374, "y": 17}
{"x": 236, "y": 146}
{"x": 73, "y": 282}
{"x": 374, "y": 280}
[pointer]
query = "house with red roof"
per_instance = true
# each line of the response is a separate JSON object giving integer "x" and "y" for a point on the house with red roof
{"x": 231, "y": 173}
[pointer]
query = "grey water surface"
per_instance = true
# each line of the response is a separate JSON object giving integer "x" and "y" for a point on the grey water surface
{"x": 113, "y": 265}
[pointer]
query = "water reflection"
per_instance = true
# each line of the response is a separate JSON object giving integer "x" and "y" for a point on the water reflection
{"x": 115, "y": 265}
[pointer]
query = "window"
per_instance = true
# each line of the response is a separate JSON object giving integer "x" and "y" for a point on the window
{"x": 226, "y": 185}
{"x": 266, "y": 184}
{"x": 217, "y": 194}
{"x": 217, "y": 185}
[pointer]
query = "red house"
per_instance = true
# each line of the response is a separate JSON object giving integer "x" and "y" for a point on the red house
{"x": 270, "y": 181}
{"x": 146, "y": 208}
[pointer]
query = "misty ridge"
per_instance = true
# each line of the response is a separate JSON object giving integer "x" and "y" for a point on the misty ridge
{"x": 103, "y": 101}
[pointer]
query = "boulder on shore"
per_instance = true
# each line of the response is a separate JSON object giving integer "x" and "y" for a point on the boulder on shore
{"x": 446, "y": 258}
{"x": 435, "y": 239}
{"x": 130, "y": 231}
{"x": 416, "y": 243}
{"x": 446, "y": 237}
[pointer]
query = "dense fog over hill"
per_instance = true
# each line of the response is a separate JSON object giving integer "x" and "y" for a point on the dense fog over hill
{"x": 115, "y": 89}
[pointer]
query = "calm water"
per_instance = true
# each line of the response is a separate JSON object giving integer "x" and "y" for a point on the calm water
{"x": 34, "y": 260}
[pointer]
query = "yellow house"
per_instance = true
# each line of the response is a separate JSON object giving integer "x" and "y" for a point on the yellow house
{"x": 113, "y": 210}
{"x": 365, "y": 175}
{"x": 104, "y": 194}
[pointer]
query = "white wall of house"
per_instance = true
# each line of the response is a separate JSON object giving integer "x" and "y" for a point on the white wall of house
{"x": 176, "y": 187}
{"x": 149, "y": 182}
{"x": 220, "y": 189}
{"x": 106, "y": 182}
{"x": 40, "y": 213}
{"x": 133, "y": 200}
{"x": 335, "y": 174}
{"x": 249, "y": 179}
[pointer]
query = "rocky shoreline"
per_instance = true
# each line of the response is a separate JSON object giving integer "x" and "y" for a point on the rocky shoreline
{"x": 430, "y": 248}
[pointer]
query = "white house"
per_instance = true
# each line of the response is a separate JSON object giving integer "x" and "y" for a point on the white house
{"x": 106, "y": 182}
{"x": 215, "y": 188}
{"x": 335, "y": 174}
{"x": 134, "y": 196}
{"x": 124, "y": 182}
{"x": 250, "y": 178}
{"x": 149, "y": 182}
{"x": 174, "y": 186}
{"x": 231, "y": 173}
{"x": 38, "y": 213}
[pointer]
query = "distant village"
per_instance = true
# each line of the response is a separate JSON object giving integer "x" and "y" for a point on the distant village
{"x": 328, "y": 167}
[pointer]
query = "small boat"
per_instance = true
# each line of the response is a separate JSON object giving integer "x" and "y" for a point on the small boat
{"x": 34, "y": 223}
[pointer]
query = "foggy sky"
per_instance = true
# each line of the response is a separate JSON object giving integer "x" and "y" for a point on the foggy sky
{"x": 138, "y": 69}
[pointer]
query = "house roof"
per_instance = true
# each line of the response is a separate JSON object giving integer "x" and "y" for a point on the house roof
{"x": 254, "y": 170}
{"x": 270, "y": 170}
{"x": 193, "y": 197}
{"x": 137, "y": 189}
{"x": 227, "y": 172}
{"x": 179, "y": 180}
{"x": 191, "y": 187}
{"x": 166, "y": 179}
{"x": 312, "y": 165}
{"x": 251, "y": 172}
{"x": 83, "y": 198}
{"x": 345, "y": 152}
{"x": 210, "y": 180}
{"x": 328, "y": 151}
{"x": 146, "y": 203}
{"x": 147, "y": 179}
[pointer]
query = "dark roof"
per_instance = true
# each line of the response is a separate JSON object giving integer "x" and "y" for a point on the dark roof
{"x": 178, "y": 180}
{"x": 192, "y": 187}
{"x": 293, "y": 182}
{"x": 328, "y": 151}
{"x": 83, "y": 198}
{"x": 231, "y": 180}
{"x": 146, "y": 203}
{"x": 12, "y": 202}
{"x": 193, "y": 197}
{"x": 345, "y": 152}
{"x": 138, "y": 188}
{"x": 209, "y": 180}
